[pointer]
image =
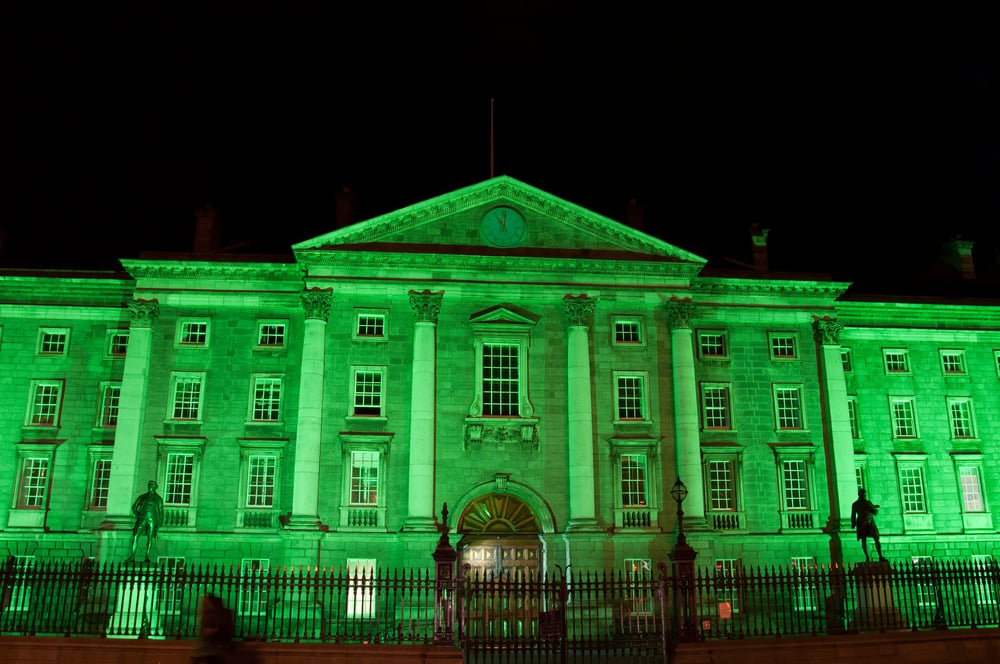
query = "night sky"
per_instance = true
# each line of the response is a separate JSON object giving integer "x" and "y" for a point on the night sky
{"x": 863, "y": 141}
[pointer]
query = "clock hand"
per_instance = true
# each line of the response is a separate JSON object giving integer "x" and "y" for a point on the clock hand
{"x": 502, "y": 220}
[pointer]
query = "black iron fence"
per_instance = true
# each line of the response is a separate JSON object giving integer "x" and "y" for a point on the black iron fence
{"x": 572, "y": 616}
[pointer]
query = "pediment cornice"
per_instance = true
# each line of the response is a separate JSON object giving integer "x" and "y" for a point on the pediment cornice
{"x": 200, "y": 270}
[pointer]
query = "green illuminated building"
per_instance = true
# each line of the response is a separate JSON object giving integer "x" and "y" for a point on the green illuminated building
{"x": 545, "y": 371}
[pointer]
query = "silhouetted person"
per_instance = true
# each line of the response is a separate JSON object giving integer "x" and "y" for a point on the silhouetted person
{"x": 863, "y": 518}
{"x": 9, "y": 581}
{"x": 148, "y": 511}
{"x": 215, "y": 641}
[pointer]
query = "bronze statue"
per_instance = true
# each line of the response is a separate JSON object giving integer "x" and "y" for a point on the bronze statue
{"x": 863, "y": 513}
{"x": 148, "y": 511}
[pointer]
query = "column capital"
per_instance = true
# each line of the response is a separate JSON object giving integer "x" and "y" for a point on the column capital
{"x": 680, "y": 311}
{"x": 316, "y": 303}
{"x": 143, "y": 313}
{"x": 827, "y": 330}
{"x": 426, "y": 305}
{"x": 579, "y": 309}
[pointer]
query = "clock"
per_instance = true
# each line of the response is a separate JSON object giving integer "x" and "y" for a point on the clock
{"x": 503, "y": 227}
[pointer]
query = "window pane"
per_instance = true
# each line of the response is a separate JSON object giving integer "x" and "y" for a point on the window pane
{"x": 721, "y": 492}
{"x": 34, "y": 481}
{"x": 368, "y": 393}
{"x": 371, "y": 325}
{"x": 179, "y": 479}
{"x": 45, "y": 403}
{"x": 788, "y": 408}
{"x": 972, "y": 491}
{"x": 794, "y": 481}
{"x": 712, "y": 344}
{"x": 364, "y": 478}
{"x": 716, "y": 406}
{"x": 266, "y": 400}
{"x": 783, "y": 346}
{"x": 501, "y": 380}
{"x": 109, "y": 405}
{"x": 271, "y": 334}
{"x": 260, "y": 481}
{"x": 633, "y": 480}
{"x": 904, "y": 421}
{"x": 627, "y": 332}
{"x": 961, "y": 419}
{"x": 194, "y": 333}
{"x": 187, "y": 395}
{"x": 101, "y": 483}
{"x": 911, "y": 483}
{"x": 630, "y": 398}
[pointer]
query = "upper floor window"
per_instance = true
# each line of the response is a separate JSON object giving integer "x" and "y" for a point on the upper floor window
{"x": 260, "y": 468}
{"x": 261, "y": 471}
{"x": 713, "y": 344}
{"x": 265, "y": 398}
{"x": 633, "y": 479}
{"x": 53, "y": 341}
{"x": 971, "y": 485}
{"x": 783, "y": 345}
{"x": 110, "y": 397}
{"x": 953, "y": 362}
{"x": 897, "y": 360}
{"x": 193, "y": 333}
{"x": 368, "y": 391}
{"x": 501, "y": 338}
{"x": 720, "y": 472}
{"x": 788, "y": 407}
{"x": 271, "y": 334}
{"x": 364, "y": 488}
{"x": 44, "y": 403}
{"x": 630, "y": 396}
{"x": 715, "y": 406}
{"x": 100, "y": 483}
{"x": 847, "y": 359}
{"x": 903, "y": 413}
{"x": 33, "y": 483}
{"x": 186, "y": 396}
{"x": 370, "y": 325}
{"x": 963, "y": 423}
{"x": 795, "y": 484}
{"x": 912, "y": 489}
{"x": 178, "y": 486}
{"x": 628, "y": 331}
{"x": 116, "y": 343}
{"x": 852, "y": 416}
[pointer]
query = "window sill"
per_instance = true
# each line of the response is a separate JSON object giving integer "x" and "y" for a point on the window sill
{"x": 377, "y": 419}
{"x": 182, "y": 427}
{"x": 21, "y": 517}
{"x": 39, "y": 432}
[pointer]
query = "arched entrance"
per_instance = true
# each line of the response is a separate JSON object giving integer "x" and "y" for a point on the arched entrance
{"x": 500, "y": 538}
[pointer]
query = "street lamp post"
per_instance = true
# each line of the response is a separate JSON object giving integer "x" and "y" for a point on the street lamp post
{"x": 683, "y": 559}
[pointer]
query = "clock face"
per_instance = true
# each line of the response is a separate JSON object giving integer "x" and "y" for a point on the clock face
{"x": 503, "y": 227}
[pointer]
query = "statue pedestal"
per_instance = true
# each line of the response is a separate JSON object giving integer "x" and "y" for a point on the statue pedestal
{"x": 136, "y": 605}
{"x": 876, "y": 608}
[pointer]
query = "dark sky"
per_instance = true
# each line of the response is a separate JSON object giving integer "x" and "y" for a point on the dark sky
{"x": 864, "y": 141}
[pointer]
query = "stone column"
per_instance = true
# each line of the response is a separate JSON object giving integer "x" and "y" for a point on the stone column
{"x": 309, "y": 428}
{"x": 423, "y": 400}
{"x": 131, "y": 411}
{"x": 844, "y": 488}
{"x": 679, "y": 314}
{"x": 580, "y": 421}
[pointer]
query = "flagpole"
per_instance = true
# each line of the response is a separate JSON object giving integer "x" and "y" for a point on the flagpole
{"x": 491, "y": 137}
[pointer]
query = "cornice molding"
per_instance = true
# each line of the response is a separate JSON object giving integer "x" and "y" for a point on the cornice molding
{"x": 768, "y": 287}
{"x": 209, "y": 270}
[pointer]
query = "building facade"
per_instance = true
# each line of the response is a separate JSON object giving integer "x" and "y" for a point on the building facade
{"x": 545, "y": 371}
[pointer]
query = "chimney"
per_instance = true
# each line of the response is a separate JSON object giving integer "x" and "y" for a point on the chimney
{"x": 344, "y": 200}
{"x": 758, "y": 236}
{"x": 635, "y": 215}
{"x": 207, "y": 230}
{"x": 958, "y": 254}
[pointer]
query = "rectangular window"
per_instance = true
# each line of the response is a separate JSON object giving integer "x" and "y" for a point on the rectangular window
{"x": 501, "y": 380}
{"x": 713, "y": 344}
{"x": 627, "y": 331}
{"x": 266, "y": 401}
{"x": 721, "y": 485}
{"x": 33, "y": 483}
{"x": 361, "y": 591}
{"x": 45, "y": 403}
{"x": 803, "y": 569}
{"x": 370, "y": 326}
{"x": 788, "y": 407}
{"x": 923, "y": 571}
{"x": 727, "y": 571}
{"x": 173, "y": 587}
{"x": 962, "y": 422}
{"x": 100, "y": 484}
{"x": 117, "y": 343}
{"x": 847, "y": 359}
{"x": 179, "y": 480}
{"x": 192, "y": 333}
{"x": 794, "y": 484}
{"x": 715, "y": 406}
{"x": 110, "y": 397}
{"x": 911, "y": 485}
{"x": 261, "y": 471}
{"x": 20, "y": 598}
{"x": 253, "y": 586}
{"x": 904, "y": 417}
{"x": 852, "y": 416}
{"x": 782, "y": 346}
{"x": 271, "y": 334}
{"x": 953, "y": 362}
{"x": 896, "y": 361}
{"x": 972, "y": 489}
{"x": 859, "y": 477}
{"x": 186, "y": 399}
{"x": 996, "y": 360}
{"x": 53, "y": 341}
{"x": 364, "y": 477}
{"x": 633, "y": 469}
{"x": 368, "y": 389}
{"x": 630, "y": 397}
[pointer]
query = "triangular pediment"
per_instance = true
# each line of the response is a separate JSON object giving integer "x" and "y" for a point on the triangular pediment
{"x": 504, "y": 314}
{"x": 456, "y": 223}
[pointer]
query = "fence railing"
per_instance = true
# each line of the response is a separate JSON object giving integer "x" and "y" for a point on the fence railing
{"x": 787, "y": 601}
{"x": 583, "y": 611}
